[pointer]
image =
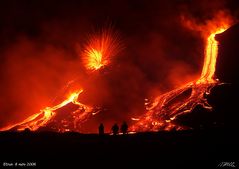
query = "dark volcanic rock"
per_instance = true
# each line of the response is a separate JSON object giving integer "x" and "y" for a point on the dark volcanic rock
{"x": 223, "y": 98}
{"x": 227, "y": 62}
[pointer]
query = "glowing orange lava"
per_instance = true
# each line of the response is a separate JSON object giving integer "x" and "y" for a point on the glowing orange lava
{"x": 211, "y": 52}
{"x": 100, "y": 48}
{"x": 46, "y": 115}
{"x": 96, "y": 54}
{"x": 163, "y": 110}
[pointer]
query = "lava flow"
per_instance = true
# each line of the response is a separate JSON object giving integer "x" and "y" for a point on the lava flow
{"x": 164, "y": 109}
{"x": 161, "y": 112}
{"x": 46, "y": 116}
{"x": 96, "y": 54}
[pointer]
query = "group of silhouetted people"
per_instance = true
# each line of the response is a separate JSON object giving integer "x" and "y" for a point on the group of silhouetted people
{"x": 115, "y": 129}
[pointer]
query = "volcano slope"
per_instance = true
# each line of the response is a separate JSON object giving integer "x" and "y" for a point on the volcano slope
{"x": 212, "y": 140}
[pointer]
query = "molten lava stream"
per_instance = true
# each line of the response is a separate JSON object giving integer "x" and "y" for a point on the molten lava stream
{"x": 164, "y": 109}
{"x": 47, "y": 115}
{"x": 97, "y": 52}
{"x": 161, "y": 112}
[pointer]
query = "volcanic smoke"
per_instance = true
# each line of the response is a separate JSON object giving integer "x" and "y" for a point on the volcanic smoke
{"x": 161, "y": 112}
{"x": 98, "y": 50}
{"x": 164, "y": 109}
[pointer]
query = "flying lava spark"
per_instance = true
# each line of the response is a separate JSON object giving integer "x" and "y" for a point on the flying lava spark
{"x": 100, "y": 48}
{"x": 97, "y": 53}
{"x": 161, "y": 112}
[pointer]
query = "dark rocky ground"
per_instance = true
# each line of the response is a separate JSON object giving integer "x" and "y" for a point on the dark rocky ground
{"x": 193, "y": 148}
{"x": 213, "y": 140}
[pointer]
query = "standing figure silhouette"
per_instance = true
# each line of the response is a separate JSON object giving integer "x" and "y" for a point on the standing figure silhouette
{"x": 101, "y": 129}
{"x": 115, "y": 129}
{"x": 124, "y": 128}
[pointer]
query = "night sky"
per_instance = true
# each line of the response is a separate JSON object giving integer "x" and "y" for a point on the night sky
{"x": 41, "y": 43}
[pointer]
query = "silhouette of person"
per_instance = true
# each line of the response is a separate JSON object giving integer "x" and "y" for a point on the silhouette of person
{"x": 124, "y": 128}
{"x": 115, "y": 129}
{"x": 101, "y": 129}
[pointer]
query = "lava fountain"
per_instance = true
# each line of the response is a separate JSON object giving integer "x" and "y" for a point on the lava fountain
{"x": 164, "y": 109}
{"x": 96, "y": 54}
{"x": 100, "y": 48}
{"x": 161, "y": 112}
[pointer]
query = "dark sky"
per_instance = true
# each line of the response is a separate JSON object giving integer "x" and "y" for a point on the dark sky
{"x": 40, "y": 43}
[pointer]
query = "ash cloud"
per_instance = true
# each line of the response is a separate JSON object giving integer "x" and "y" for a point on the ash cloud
{"x": 40, "y": 43}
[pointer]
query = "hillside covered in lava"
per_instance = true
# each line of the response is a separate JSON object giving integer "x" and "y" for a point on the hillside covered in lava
{"x": 223, "y": 98}
{"x": 169, "y": 69}
{"x": 66, "y": 67}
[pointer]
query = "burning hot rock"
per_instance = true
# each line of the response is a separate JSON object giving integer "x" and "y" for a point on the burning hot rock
{"x": 160, "y": 112}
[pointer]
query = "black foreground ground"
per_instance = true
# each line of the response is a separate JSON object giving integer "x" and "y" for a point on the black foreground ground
{"x": 195, "y": 148}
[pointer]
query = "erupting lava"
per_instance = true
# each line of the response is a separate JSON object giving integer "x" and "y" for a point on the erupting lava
{"x": 96, "y": 54}
{"x": 211, "y": 56}
{"x": 100, "y": 48}
{"x": 165, "y": 108}
{"x": 161, "y": 112}
{"x": 46, "y": 116}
